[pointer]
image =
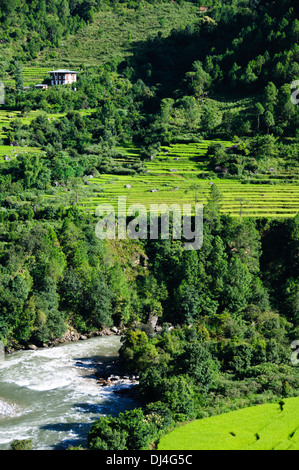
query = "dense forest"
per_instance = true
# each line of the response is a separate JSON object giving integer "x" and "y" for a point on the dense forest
{"x": 227, "y": 313}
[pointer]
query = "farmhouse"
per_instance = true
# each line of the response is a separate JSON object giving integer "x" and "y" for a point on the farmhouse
{"x": 63, "y": 77}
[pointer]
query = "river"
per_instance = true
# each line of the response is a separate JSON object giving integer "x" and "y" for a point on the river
{"x": 51, "y": 395}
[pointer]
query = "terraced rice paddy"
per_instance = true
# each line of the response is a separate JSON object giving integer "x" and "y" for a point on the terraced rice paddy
{"x": 32, "y": 75}
{"x": 262, "y": 427}
{"x": 8, "y": 152}
{"x": 179, "y": 175}
{"x": 35, "y": 75}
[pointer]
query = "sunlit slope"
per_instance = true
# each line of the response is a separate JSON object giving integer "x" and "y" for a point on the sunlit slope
{"x": 179, "y": 174}
{"x": 262, "y": 427}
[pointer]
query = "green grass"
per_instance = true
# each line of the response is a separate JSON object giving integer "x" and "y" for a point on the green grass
{"x": 261, "y": 427}
{"x": 13, "y": 152}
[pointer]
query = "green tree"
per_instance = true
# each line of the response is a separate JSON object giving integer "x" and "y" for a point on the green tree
{"x": 269, "y": 120}
{"x": 199, "y": 364}
{"x": 18, "y": 76}
{"x": 199, "y": 79}
{"x": 238, "y": 291}
{"x": 212, "y": 208}
{"x": 259, "y": 111}
{"x": 270, "y": 96}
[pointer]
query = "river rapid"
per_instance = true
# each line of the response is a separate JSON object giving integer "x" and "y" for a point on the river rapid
{"x": 51, "y": 396}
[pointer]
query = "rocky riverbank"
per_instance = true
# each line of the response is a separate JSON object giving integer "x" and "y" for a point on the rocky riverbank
{"x": 108, "y": 374}
{"x": 70, "y": 336}
{"x": 73, "y": 335}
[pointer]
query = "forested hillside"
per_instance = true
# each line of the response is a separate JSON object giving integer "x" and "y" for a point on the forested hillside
{"x": 202, "y": 84}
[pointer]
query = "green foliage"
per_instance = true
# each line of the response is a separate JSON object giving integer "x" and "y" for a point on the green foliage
{"x": 210, "y": 89}
{"x": 25, "y": 444}
{"x": 131, "y": 430}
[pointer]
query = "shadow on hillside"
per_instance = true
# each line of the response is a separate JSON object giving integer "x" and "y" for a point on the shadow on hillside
{"x": 163, "y": 62}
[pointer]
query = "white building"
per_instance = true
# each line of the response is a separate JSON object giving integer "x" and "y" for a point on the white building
{"x": 63, "y": 77}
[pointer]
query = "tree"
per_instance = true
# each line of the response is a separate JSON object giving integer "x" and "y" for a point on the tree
{"x": 18, "y": 76}
{"x": 218, "y": 266}
{"x": 212, "y": 208}
{"x": 104, "y": 435}
{"x": 199, "y": 364}
{"x": 271, "y": 95}
{"x": 242, "y": 203}
{"x": 249, "y": 76}
{"x": 263, "y": 146}
{"x": 179, "y": 394}
{"x": 196, "y": 187}
{"x": 9, "y": 6}
{"x": 259, "y": 111}
{"x": 187, "y": 302}
{"x": 96, "y": 306}
{"x": 238, "y": 291}
{"x": 200, "y": 80}
{"x": 31, "y": 166}
{"x": 269, "y": 120}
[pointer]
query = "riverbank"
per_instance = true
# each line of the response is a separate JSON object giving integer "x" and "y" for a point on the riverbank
{"x": 70, "y": 336}
{"x": 108, "y": 373}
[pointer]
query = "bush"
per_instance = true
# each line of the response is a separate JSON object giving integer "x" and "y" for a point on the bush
{"x": 131, "y": 430}
{"x": 25, "y": 444}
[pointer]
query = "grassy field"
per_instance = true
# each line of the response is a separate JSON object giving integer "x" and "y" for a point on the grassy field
{"x": 262, "y": 427}
{"x": 179, "y": 174}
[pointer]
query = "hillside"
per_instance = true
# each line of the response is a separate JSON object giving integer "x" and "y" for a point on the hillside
{"x": 152, "y": 62}
{"x": 264, "y": 427}
{"x": 175, "y": 102}
{"x": 109, "y": 38}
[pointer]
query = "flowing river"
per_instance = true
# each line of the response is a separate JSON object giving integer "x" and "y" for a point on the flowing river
{"x": 51, "y": 396}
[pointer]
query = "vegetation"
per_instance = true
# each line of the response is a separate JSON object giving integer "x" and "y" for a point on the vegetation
{"x": 263, "y": 427}
{"x": 25, "y": 444}
{"x": 175, "y": 102}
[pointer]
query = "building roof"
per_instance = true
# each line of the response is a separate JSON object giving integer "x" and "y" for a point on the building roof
{"x": 62, "y": 71}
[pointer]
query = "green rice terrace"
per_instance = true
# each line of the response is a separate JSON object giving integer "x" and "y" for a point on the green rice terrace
{"x": 262, "y": 427}
{"x": 179, "y": 174}
{"x": 32, "y": 75}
